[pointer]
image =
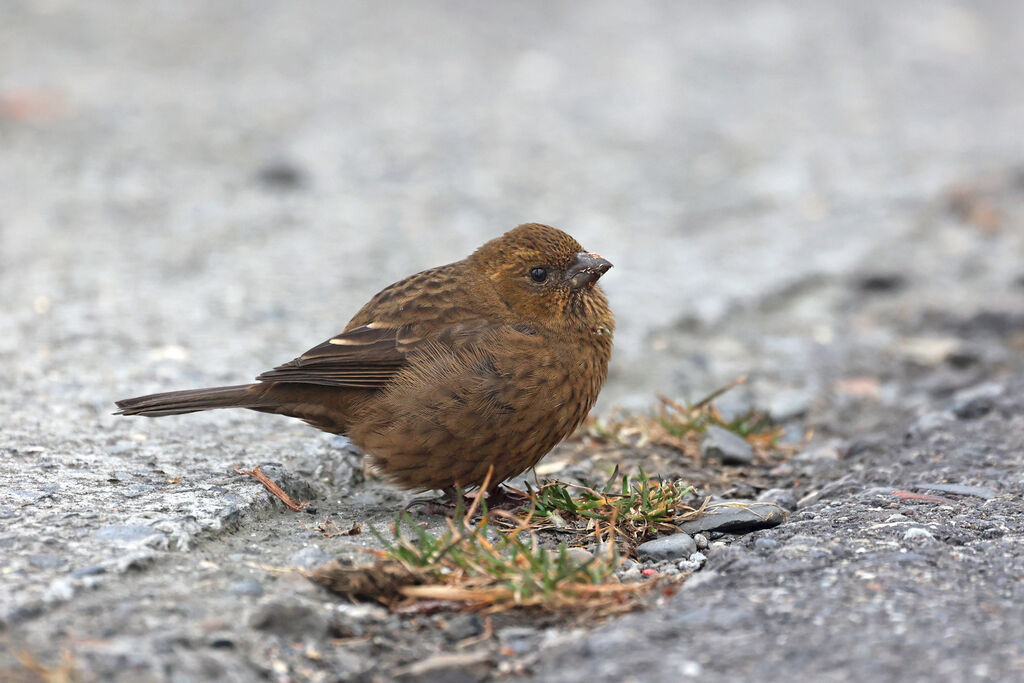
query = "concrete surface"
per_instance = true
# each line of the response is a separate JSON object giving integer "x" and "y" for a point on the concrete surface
{"x": 826, "y": 197}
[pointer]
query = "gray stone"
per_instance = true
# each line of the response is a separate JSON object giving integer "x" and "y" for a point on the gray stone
{"x": 725, "y": 446}
{"x": 930, "y": 422}
{"x": 766, "y": 544}
{"x": 580, "y": 556}
{"x": 309, "y": 557}
{"x": 667, "y": 547}
{"x": 736, "y": 517}
{"x": 701, "y": 540}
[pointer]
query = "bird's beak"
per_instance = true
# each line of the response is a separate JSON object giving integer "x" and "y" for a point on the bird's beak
{"x": 586, "y": 270}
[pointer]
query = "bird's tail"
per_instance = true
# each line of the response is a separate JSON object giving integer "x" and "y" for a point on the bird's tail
{"x": 193, "y": 400}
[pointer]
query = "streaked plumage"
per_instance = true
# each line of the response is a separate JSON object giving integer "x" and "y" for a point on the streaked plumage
{"x": 451, "y": 370}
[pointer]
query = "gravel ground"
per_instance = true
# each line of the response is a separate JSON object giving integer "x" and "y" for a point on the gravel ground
{"x": 826, "y": 198}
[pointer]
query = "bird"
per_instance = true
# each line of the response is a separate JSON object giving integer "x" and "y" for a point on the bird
{"x": 466, "y": 373}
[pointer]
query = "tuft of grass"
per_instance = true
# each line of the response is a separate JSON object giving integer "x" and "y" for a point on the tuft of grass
{"x": 633, "y": 508}
{"x": 681, "y": 426}
{"x": 479, "y": 563}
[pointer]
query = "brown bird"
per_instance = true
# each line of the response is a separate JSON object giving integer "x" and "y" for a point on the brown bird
{"x": 488, "y": 361}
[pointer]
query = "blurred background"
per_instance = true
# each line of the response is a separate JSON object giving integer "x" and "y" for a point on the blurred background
{"x": 192, "y": 192}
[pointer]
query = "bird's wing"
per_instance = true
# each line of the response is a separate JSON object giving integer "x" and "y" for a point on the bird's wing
{"x": 365, "y": 357}
{"x": 368, "y": 356}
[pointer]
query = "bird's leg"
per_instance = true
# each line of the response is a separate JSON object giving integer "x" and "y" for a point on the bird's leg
{"x": 445, "y": 505}
{"x": 505, "y": 498}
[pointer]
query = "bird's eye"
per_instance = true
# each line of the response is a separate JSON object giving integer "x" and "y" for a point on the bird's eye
{"x": 538, "y": 274}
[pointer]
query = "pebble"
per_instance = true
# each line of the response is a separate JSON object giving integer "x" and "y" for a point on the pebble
{"x": 668, "y": 547}
{"x": 736, "y": 517}
{"x": 631, "y": 574}
{"x": 766, "y": 544}
{"x": 692, "y": 563}
{"x": 701, "y": 540}
{"x": 309, "y": 557}
{"x": 725, "y": 446}
{"x": 246, "y": 588}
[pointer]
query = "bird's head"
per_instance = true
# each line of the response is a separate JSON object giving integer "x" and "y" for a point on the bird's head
{"x": 544, "y": 275}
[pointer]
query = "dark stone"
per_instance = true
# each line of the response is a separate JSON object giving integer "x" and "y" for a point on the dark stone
{"x": 731, "y": 449}
{"x": 976, "y": 407}
{"x": 736, "y": 517}
{"x": 281, "y": 175}
{"x": 462, "y": 626}
{"x": 88, "y": 571}
{"x": 878, "y": 283}
{"x": 289, "y": 619}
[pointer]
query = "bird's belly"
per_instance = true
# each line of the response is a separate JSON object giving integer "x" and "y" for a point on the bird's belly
{"x": 453, "y": 430}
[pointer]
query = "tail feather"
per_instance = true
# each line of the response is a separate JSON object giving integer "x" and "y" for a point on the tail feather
{"x": 192, "y": 400}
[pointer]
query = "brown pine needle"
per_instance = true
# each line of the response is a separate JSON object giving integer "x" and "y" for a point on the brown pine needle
{"x": 274, "y": 489}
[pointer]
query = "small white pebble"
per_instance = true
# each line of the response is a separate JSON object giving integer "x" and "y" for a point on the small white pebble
{"x": 918, "y": 534}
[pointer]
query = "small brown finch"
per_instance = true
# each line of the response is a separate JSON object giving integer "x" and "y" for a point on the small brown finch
{"x": 488, "y": 361}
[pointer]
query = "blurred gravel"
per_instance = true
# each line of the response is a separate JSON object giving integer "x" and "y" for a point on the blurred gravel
{"x": 827, "y": 197}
